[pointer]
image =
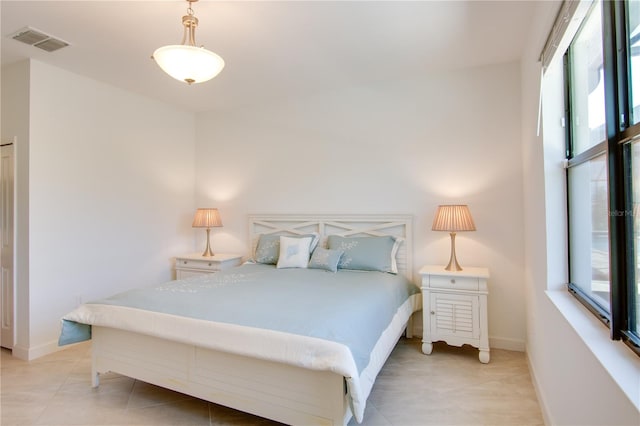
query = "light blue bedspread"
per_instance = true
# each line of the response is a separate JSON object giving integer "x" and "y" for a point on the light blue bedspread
{"x": 348, "y": 307}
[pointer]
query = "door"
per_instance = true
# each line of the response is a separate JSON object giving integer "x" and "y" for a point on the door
{"x": 7, "y": 304}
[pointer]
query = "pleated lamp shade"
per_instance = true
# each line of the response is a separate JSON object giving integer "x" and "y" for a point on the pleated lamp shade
{"x": 206, "y": 218}
{"x": 453, "y": 218}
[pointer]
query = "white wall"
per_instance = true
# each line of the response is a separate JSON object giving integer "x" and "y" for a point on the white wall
{"x": 393, "y": 147}
{"x": 574, "y": 384}
{"x": 111, "y": 195}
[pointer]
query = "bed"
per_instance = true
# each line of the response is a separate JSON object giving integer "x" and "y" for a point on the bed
{"x": 246, "y": 338}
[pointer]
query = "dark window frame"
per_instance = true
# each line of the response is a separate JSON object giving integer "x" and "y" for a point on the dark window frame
{"x": 617, "y": 145}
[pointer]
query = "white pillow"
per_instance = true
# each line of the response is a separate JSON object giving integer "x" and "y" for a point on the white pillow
{"x": 294, "y": 252}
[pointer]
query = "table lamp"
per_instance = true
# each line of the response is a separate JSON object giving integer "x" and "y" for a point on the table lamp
{"x": 207, "y": 218}
{"x": 453, "y": 218}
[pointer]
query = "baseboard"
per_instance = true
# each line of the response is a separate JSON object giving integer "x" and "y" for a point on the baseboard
{"x": 20, "y": 353}
{"x": 536, "y": 386}
{"x": 507, "y": 344}
{"x": 29, "y": 354}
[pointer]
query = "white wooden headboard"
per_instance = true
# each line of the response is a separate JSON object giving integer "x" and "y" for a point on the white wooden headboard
{"x": 344, "y": 225}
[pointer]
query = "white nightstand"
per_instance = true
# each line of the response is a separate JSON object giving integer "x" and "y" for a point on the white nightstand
{"x": 455, "y": 308}
{"x": 191, "y": 265}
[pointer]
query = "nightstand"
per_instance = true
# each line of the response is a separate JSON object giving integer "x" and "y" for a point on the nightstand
{"x": 455, "y": 308}
{"x": 191, "y": 265}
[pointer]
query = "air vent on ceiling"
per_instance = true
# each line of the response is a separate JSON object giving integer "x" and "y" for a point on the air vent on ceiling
{"x": 39, "y": 39}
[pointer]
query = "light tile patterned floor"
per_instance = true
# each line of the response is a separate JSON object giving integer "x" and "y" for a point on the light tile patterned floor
{"x": 448, "y": 387}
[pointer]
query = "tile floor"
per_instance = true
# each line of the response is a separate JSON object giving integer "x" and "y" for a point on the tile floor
{"x": 448, "y": 387}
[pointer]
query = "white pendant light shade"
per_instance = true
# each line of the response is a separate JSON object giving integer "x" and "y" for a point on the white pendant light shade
{"x": 190, "y": 64}
{"x": 187, "y": 62}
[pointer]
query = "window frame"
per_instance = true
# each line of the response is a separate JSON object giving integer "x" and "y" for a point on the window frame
{"x": 617, "y": 146}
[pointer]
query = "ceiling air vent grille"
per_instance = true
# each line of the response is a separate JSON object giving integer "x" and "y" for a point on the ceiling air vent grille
{"x": 39, "y": 39}
{"x": 51, "y": 44}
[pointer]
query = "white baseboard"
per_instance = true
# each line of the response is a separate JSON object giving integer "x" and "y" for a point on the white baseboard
{"x": 541, "y": 400}
{"x": 507, "y": 344}
{"x": 20, "y": 353}
{"x": 29, "y": 354}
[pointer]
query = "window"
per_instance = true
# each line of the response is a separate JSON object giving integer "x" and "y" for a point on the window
{"x": 634, "y": 299}
{"x": 587, "y": 174}
{"x": 587, "y": 84}
{"x": 633, "y": 19}
{"x": 589, "y": 236}
{"x": 633, "y": 25}
{"x": 602, "y": 74}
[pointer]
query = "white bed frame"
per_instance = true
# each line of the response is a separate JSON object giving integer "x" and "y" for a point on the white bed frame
{"x": 277, "y": 391}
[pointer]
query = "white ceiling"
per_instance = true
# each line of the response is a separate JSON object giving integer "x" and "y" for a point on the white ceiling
{"x": 273, "y": 50}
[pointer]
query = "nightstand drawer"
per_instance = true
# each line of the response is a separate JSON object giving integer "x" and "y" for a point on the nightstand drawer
{"x": 453, "y": 283}
{"x": 195, "y": 264}
{"x": 198, "y": 264}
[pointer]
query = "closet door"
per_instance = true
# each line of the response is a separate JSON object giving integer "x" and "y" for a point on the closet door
{"x": 7, "y": 315}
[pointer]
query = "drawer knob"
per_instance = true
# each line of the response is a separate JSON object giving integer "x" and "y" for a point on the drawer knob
{"x": 433, "y": 312}
{"x": 210, "y": 263}
{"x": 453, "y": 281}
{"x": 185, "y": 262}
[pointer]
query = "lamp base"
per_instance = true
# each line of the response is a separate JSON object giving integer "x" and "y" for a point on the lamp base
{"x": 453, "y": 262}
{"x": 208, "y": 252}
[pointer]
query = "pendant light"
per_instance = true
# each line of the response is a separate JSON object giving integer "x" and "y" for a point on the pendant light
{"x": 187, "y": 62}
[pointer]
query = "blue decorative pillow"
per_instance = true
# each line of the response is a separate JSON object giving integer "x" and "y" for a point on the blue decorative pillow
{"x": 73, "y": 332}
{"x": 268, "y": 247}
{"x": 367, "y": 253}
{"x": 326, "y": 259}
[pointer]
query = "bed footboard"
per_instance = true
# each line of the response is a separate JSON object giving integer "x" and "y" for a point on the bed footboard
{"x": 281, "y": 392}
